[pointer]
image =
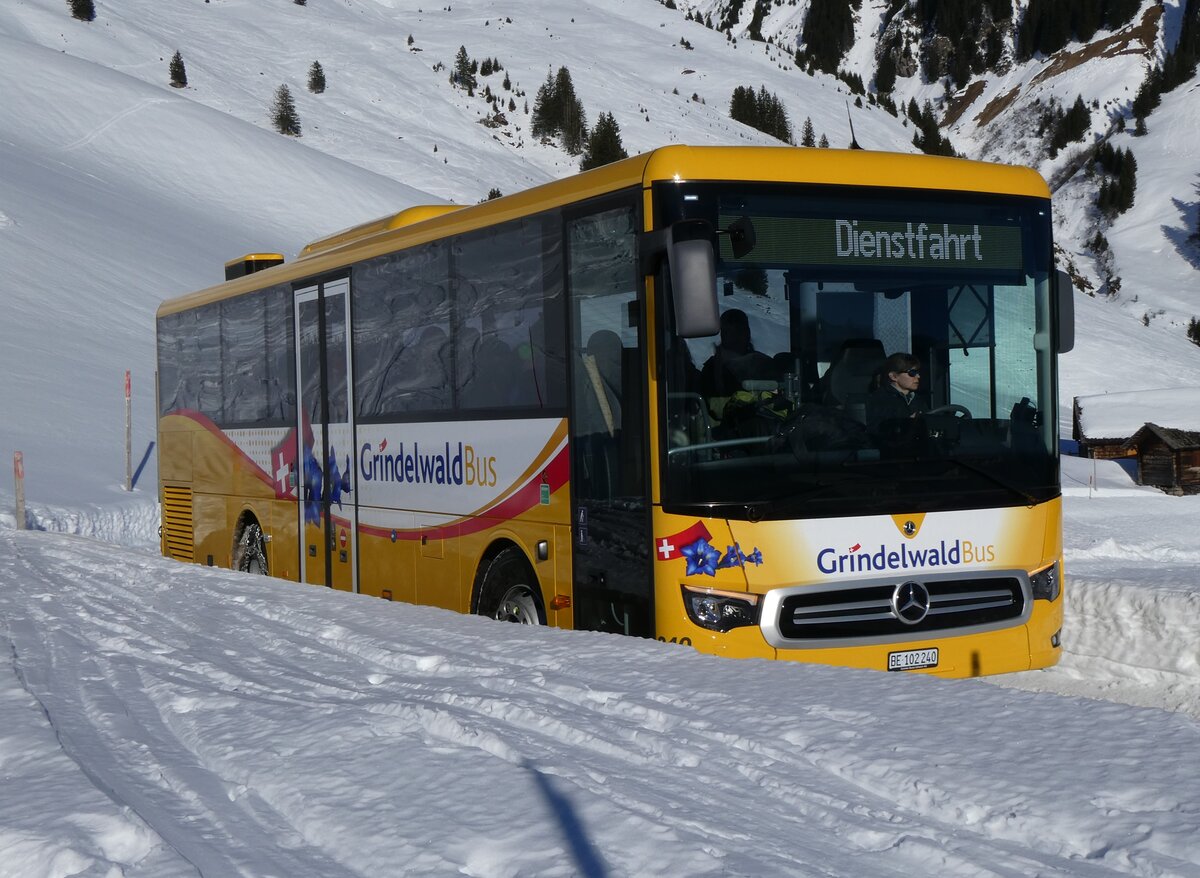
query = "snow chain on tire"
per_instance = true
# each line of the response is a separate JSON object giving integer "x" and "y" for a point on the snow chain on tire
{"x": 251, "y": 557}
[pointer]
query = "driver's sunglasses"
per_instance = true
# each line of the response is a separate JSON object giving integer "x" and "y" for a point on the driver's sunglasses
{"x": 913, "y": 373}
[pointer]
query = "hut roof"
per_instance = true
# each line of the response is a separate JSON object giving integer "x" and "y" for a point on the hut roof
{"x": 1176, "y": 440}
{"x": 1120, "y": 415}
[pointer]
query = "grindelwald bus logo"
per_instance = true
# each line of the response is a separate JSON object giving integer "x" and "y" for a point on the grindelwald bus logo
{"x": 884, "y": 558}
{"x": 444, "y": 464}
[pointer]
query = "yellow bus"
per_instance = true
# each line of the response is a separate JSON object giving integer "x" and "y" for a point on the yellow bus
{"x": 653, "y": 399}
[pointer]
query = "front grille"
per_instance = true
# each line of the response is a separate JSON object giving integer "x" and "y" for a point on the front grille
{"x": 865, "y": 611}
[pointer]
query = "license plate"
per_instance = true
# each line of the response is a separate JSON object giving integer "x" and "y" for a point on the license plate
{"x": 913, "y": 659}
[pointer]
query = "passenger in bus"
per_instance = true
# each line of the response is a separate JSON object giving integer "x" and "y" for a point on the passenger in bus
{"x": 896, "y": 401}
{"x": 734, "y": 361}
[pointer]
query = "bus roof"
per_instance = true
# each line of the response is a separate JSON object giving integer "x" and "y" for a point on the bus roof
{"x": 784, "y": 164}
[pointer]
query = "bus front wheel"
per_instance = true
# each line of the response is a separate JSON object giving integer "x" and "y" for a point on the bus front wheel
{"x": 508, "y": 592}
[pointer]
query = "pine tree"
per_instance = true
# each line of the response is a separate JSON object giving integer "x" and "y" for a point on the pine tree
{"x": 1193, "y": 331}
{"x": 178, "y": 71}
{"x": 545, "y": 110}
{"x": 761, "y": 110}
{"x": 743, "y": 107}
{"x": 1149, "y": 93}
{"x": 463, "y": 74}
{"x": 84, "y": 10}
{"x": 557, "y": 111}
{"x": 283, "y": 113}
{"x": 604, "y": 144}
{"x": 316, "y": 78}
{"x": 773, "y": 116}
{"x": 828, "y": 33}
{"x": 1070, "y": 126}
{"x": 808, "y": 137}
{"x": 885, "y": 73}
{"x": 1126, "y": 182}
{"x": 824, "y": 144}
{"x": 573, "y": 120}
{"x": 1116, "y": 195}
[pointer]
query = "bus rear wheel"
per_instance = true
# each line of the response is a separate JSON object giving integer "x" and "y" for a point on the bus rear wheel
{"x": 250, "y": 553}
{"x": 508, "y": 592}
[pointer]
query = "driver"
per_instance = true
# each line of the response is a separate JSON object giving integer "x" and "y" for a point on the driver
{"x": 896, "y": 399}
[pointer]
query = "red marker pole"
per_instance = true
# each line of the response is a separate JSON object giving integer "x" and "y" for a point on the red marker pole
{"x": 19, "y": 482}
{"x": 128, "y": 434}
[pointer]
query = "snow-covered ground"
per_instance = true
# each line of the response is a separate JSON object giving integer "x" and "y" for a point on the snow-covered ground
{"x": 163, "y": 719}
{"x": 158, "y": 719}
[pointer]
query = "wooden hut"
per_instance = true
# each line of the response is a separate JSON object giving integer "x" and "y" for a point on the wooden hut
{"x": 1104, "y": 424}
{"x": 1168, "y": 458}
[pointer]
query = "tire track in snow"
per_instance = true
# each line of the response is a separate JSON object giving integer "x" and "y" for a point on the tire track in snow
{"x": 96, "y": 132}
{"x": 134, "y": 758}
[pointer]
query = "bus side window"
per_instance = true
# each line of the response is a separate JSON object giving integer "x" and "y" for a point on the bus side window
{"x": 508, "y": 295}
{"x": 402, "y": 342}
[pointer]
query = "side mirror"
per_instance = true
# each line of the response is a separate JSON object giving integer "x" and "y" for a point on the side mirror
{"x": 689, "y": 250}
{"x": 1064, "y": 303}
{"x": 742, "y": 237}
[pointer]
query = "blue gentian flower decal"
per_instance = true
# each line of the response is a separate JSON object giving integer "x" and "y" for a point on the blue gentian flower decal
{"x": 337, "y": 483}
{"x": 313, "y": 479}
{"x": 694, "y": 546}
{"x": 701, "y": 557}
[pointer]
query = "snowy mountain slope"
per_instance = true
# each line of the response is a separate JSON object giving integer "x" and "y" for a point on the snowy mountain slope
{"x": 114, "y": 195}
{"x": 386, "y": 106}
{"x": 117, "y": 190}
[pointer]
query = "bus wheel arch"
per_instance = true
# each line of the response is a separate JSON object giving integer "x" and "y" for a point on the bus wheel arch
{"x": 250, "y": 546}
{"x": 506, "y": 587}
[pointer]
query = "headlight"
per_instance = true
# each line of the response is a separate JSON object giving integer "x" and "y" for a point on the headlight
{"x": 720, "y": 610}
{"x": 1047, "y": 584}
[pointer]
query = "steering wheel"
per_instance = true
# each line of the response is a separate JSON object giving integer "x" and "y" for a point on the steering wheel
{"x": 959, "y": 411}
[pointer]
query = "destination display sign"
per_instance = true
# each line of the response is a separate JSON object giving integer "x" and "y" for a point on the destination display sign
{"x": 919, "y": 242}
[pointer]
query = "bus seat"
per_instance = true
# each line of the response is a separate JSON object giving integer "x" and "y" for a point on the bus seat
{"x": 599, "y": 410}
{"x": 850, "y": 376}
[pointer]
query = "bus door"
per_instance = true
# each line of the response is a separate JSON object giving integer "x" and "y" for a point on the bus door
{"x": 610, "y": 516}
{"x": 328, "y": 484}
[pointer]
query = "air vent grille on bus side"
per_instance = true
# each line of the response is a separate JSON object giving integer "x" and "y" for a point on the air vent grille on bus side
{"x": 177, "y": 523}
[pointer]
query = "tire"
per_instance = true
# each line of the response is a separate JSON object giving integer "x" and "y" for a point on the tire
{"x": 250, "y": 553}
{"x": 509, "y": 592}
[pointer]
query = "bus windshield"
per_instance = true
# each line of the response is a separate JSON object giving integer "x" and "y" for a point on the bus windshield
{"x": 880, "y": 351}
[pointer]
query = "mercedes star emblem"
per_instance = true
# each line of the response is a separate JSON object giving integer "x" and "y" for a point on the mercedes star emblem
{"x": 910, "y": 602}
